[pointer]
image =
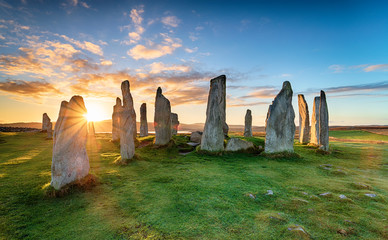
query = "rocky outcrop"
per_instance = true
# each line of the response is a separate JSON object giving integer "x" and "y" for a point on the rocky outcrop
{"x": 174, "y": 123}
{"x": 280, "y": 126}
{"x": 116, "y": 120}
{"x": 143, "y": 120}
{"x": 196, "y": 137}
{"x": 304, "y": 120}
{"x": 70, "y": 161}
{"x": 314, "y": 131}
{"x": 127, "y": 124}
{"x": 45, "y": 122}
{"x": 248, "y": 124}
{"x": 236, "y": 144}
{"x": 323, "y": 123}
{"x": 215, "y": 125}
{"x": 162, "y": 119}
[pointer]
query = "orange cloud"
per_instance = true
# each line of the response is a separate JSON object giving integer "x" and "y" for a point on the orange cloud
{"x": 371, "y": 68}
{"x": 171, "y": 21}
{"x": 158, "y": 67}
{"x": 35, "y": 89}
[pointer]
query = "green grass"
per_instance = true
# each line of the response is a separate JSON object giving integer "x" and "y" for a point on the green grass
{"x": 358, "y": 134}
{"x": 164, "y": 195}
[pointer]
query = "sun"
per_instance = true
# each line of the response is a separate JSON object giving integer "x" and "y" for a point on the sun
{"x": 94, "y": 113}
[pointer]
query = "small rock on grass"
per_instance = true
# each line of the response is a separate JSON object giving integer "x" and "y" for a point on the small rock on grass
{"x": 300, "y": 231}
{"x": 342, "y": 196}
{"x": 269, "y": 192}
{"x": 372, "y": 195}
{"x": 326, "y": 194}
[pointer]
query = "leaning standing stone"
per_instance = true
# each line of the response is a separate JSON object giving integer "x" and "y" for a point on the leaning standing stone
{"x": 45, "y": 122}
{"x": 143, "y": 120}
{"x": 162, "y": 119}
{"x": 280, "y": 126}
{"x": 116, "y": 120}
{"x": 248, "y": 124}
{"x": 127, "y": 124}
{"x": 314, "y": 131}
{"x": 304, "y": 120}
{"x": 174, "y": 123}
{"x": 215, "y": 125}
{"x": 323, "y": 123}
{"x": 70, "y": 161}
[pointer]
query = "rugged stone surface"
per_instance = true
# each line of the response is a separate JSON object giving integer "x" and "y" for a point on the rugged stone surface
{"x": 280, "y": 126}
{"x": 127, "y": 124}
{"x": 248, "y": 124}
{"x": 323, "y": 123}
{"x": 174, "y": 123}
{"x": 70, "y": 161}
{"x": 50, "y": 130}
{"x": 143, "y": 120}
{"x": 314, "y": 131}
{"x": 91, "y": 130}
{"x": 45, "y": 122}
{"x": 162, "y": 119}
{"x": 116, "y": 120}
{"x": 196, "y": 137}
{"x": 236, "y": 144}
{"x": 304, "y": 120}
{"x": 215, "y": 125}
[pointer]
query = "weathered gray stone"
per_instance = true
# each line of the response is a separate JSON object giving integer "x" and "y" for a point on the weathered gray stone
{"x": 236, "y": 144}
{"x": 162, "y": 119}
{"x": 196, "y": 137}
{"x": 117, "y": 109}
{"x": 143, "y": 120}
{"x": 280, "y": 126}
{"x": 248, "y": 124}
{"x": 304, "y": 120}
{"x": 323, "y": 123}
{"x": 70, "y": 161}
{"x": 45, "y": 122}
{"x": 174, "y": 123}
{"x": 91, "y": 130}
{"x": 314, "y": 130}
{"x": 127, "y": 124}
{"x": 50, "y": 130}
{"x": 215, "y": 125}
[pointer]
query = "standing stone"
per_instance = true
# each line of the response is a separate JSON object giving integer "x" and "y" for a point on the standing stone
{"x": 314, "y": 131}
{"x": 162, "y": 119}
{"x": 45, "y": 122}
{"x": 91, "y": 130}
{"x": 143, "y": 120}
{"x": 248, "y": 124}
{"x": 50, "y": 130}
{"x": 116, "y": 120}
{"x": 127, "y": 124}
{"x": 174, "y": 124}
{"x": 304, "y": 120}
{"x": 280, "y": 126}
{"x": 70, "y": 161}
{"x": 215, "y": 125}
{"x": 323, "y": 124}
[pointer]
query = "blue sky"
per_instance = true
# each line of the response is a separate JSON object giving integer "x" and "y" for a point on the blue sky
{"x": 51, "y": 50}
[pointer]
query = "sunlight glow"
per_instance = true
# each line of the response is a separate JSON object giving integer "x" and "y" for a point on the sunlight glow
{"x": 94, "y": 113}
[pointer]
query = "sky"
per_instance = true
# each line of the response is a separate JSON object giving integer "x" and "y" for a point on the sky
{"x": 52, "y": 50}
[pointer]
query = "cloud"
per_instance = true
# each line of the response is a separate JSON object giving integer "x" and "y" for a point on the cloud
{"x": 91, "y": 47}
{"x": 377, "y": 86}
{"x": 135, "y": 15}
{"x": 35, "y": 89}
{"x": 137, "y": 19}
{"x": 155, "y": 51}
{"x": 171, "y": 21}
{"x": 158, "y": 67}
{"x": 262, "y": 92}
{"x": 383, "y": 67}
{"x": 192, "y": 50}
{"x": 106, "y": 63}
{"x": 337, "y": 68}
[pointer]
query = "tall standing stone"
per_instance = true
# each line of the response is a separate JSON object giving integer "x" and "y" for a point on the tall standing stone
{"x": 70, "y": 161}
{"x": 143, "y": 120}
{"x": 45, "y": 122}
{"x": 50, "y": 130}
{"x": 280, "y": 126}
{"x": 174, "y": 123}
{"x": 323, "y": 123}
{"x": 248, "y": 124}
{"x": 314, "y": 131}
{"x": 116, "y": 120}
{"x": 162, "y": 119}
{"x": 215, "y": 125}
{"x": 304, "y": 120}
{"x": 127, "y": 124}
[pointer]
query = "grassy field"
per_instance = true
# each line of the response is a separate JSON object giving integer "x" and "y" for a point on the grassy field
{"x": 165, "y": 195}
{"x": 358, "y": 134}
